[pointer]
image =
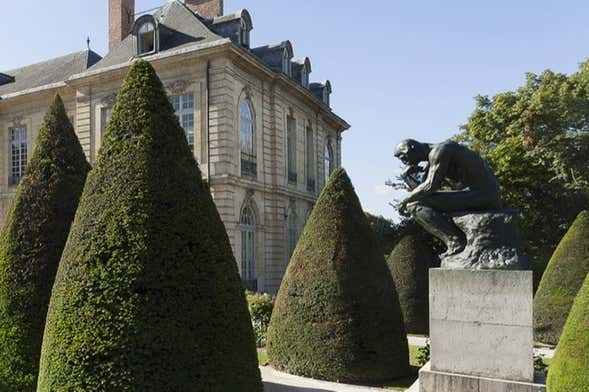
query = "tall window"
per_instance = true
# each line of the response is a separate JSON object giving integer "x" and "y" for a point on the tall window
{"x": 305, "y": 77}
{"x": 248, "y": 241}
{"x": 184, "y": 109}
{"x": 246, "y": 125}
{"x": 105, "y": 115}
{"x": 293, "y": 232}
{"x": 146, "y": 38}
{"x": 310, "y": 159}
{"x": 244, "y": 35}
{"x": 328, "y": 163}
{"x": 18, "y": 142}
{"x": 291, "y": 148}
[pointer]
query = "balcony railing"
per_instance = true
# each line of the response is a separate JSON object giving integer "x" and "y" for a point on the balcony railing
{"x": 292, "y": 177}
{"x": 249, "y": 164}
{"x": 310, "y": 184}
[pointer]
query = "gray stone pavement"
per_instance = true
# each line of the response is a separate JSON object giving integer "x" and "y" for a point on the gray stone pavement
{"x": 275, "y": 381}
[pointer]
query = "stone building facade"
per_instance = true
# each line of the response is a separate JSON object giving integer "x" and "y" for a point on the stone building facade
{"x": 263, "y": 134}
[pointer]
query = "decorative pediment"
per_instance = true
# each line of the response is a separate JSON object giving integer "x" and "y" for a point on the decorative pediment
{"x": 178, "y": 86}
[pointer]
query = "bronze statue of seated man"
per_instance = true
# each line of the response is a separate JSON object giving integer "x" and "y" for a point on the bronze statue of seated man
{"x": 454, "y": 179}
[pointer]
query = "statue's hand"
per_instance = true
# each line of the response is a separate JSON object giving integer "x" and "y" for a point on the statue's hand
{"x": 411, "y": 170}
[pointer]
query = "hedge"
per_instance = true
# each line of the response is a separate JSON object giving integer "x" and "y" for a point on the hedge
{"x": 561, "y": 281}
{"x": 148, "y": 295}
{"x": 337, "y": 315}
{"x": 31, "y": 244}
{"x": 409, "y": 263}
{"x": 569, "y": 370}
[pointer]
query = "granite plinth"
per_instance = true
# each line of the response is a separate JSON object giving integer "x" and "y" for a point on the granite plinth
{"x": 481, "y": 324}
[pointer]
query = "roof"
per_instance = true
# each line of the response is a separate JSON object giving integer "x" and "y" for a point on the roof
{"x": 46, "y": 72}
{"x": 178, "y": 27}
{"x": 271, "y": 55}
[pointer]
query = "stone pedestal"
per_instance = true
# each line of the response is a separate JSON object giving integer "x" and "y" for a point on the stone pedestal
{"x": 481, "y": 332}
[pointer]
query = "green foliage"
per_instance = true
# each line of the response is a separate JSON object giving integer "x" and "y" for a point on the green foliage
{"x": 260, "y": 307}
{"x": 569, "y": 369}
{"x": 387, "y": 232}
{"x": 561, "y": 281}
{"x": 31, "y": 244}
{"x": 536, "y": 141}
{"x": 424, "y": 354}
{"x": 147, "y": 296}
{"x": 409, "y": 264}
{"x": 540, "y": 365}
{"x": 337, "y": 314}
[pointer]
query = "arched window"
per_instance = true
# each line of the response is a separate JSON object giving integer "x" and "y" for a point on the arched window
{"x": 146, "y": 38}
{"x": 248, "y": 249}
{"x": 293, "y": 232}
{"x": 328, "y": 162}
{"x": 247, "y": 143}
{"x": 244, "y": 34}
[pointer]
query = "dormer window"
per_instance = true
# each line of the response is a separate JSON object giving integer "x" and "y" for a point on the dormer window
{"x": 305, "y": 77}
{"x": 285, "y": 62}
{"x": 146, "y": 38}
{"x": 326, "y": 96}
{"x": 146, "y": 35}
{"x": 244, "y": 35}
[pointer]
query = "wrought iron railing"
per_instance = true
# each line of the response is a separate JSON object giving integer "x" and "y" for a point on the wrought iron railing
{"x": 249, "y": 164}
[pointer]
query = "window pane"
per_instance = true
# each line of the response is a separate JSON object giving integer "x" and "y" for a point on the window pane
{"x": 184, "y": 109}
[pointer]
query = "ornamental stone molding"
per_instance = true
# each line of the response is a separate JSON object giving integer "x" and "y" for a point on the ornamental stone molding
{"x": 178, "y": 86}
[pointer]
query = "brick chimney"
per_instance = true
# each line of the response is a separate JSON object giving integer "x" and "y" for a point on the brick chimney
{"x": 207, "y": 8}
{"x": 121, "y": 15}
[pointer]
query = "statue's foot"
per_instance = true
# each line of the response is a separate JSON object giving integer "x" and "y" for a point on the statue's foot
{"x": 455, "y": 245}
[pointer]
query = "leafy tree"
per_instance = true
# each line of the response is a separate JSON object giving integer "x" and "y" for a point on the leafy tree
{"x": 569, "y": 370}
{"x": 561, "y": 281}
{"x": 409, "y": 263}
{"x": 32, "y": 242}
{"x": 337, "y": 313}
{"x": 536, "y": 141}
{"x": 147, "y": 296}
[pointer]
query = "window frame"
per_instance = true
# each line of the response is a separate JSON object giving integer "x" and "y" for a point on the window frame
{"x": 247, "y": 148}
{"x": 187, "y": 113}
{"x": 17, "y": 173}
{"x": 328, "y": 159}
{"x": 291, "y": 149}
{"x": 247, "y": 223}
{"x": 310, "y": 157}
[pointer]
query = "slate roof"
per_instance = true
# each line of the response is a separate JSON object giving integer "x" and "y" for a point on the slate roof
{"x": 178, "y": 27}
{"x": 47, "y": 72}
{"x": 271, "y": 55}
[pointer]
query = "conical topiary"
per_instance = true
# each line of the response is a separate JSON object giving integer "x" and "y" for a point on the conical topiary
{"x": 337, "y": 315}
{"x": 147, "y": 296}
{"x": 569, "y": 370}
{"x": 409, "y": 263}
{"x": 32, "y": 242}
{"x": 561, "y": 281}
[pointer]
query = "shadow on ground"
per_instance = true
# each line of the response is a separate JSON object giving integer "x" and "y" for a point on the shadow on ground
{"x": 272, "y": 387}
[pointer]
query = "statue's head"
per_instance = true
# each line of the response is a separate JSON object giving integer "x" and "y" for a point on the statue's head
{"x": 410, "y": 152}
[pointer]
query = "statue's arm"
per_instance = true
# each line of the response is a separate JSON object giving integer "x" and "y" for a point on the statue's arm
{"x": 433, "y": 182}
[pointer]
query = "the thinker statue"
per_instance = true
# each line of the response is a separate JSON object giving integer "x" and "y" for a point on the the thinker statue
{"x": 454, "y": 179}
{"x": 455, "y": 197}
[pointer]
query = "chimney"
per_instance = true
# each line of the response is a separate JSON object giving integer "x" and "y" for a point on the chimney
{"x": 121, "y": 15}
{"x": 209, "y": 9}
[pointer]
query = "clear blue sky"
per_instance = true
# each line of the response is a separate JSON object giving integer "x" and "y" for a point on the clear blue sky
{"x": 399, "y": 68}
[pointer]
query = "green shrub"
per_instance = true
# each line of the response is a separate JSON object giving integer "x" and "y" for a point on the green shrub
{"x": 260, "y": 307}
{"x": 409, "y": 263}
{"x": 147, "y": 295}
{"x": 569, "y": 369}
{"x": 561, "y": 281}
{"x": 31, "y": 244}
{"x": 337, "y": 315}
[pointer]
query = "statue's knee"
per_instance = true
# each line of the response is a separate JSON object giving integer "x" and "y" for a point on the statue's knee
{"x": 418, "y": 210}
